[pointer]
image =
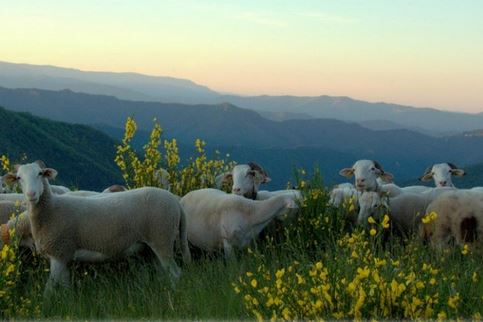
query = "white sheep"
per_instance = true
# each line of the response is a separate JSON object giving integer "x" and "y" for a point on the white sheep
{"x": 405, "y": 209}
{"x": 115, "y": 188}
{"x": 64, "y": 227}
{"x": 394, "y": 190}
{"x": 21, "y": 225}
{"x": 246, "y": 179}
{"x": 162, "y": 176}
{"x": 217, "y": 220}
{"x": 441, "y": 174}
{"x": 342, "y": 193}
{"x": 7, "y": 208}
{"x": 366, "y": 173}
{"x": 459, "y": 215}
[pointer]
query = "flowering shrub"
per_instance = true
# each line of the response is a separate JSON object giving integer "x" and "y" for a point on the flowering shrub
{"x": 199, "y": 172}
{"x": 13, "y": 300}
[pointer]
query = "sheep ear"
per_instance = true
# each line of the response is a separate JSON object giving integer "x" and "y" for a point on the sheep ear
{"x": 347, "y": 172}
{"x": 426, "y": 177}
{"x": 49, "y": 173}
{"x": 387, "y": 177}
{"x": 10, "y": 178}
{"x": 222, "y": 178}
{"x": 458, "y": 172}
{"x": 266, "y": 179}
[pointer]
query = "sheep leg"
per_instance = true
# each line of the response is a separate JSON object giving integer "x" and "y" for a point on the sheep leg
{"x": 227, "y": 249}
{"x": 59, "y": 274}
{"x": 168, "y": 264}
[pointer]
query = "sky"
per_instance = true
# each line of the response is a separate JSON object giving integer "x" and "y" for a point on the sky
{"x": 419, "y": 53}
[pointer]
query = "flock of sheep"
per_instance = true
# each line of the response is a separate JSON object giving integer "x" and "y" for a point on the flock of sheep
{"x": 94, "y": 226}
{"x": 459, "y": 211}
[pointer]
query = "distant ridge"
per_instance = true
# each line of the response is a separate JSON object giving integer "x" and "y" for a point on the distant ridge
{"x": 138, "y": 87}
{"x": 404, "y": 152}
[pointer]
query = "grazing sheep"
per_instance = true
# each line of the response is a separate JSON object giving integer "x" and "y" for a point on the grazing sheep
{"x": 65, "y": 227}
{"x": 366, "y": 173}
{"x": 246, "y": 179}
{"x": 217, "y": 220}
{"x": 406, "y": 209}
{"x": 459, "y": 215}
{"x": 441, "y": 174}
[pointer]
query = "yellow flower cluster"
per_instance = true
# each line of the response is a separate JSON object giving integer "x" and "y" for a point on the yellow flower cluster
{"x": 432, "y": 216}
{"x": 5, "y": 162}
{"x": 12, "y": 303}
{"x": 356, "y": 284}
{"x": 199, "y": 172}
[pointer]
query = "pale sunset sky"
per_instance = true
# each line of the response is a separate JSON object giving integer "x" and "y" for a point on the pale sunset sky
{"x": 420, "y": 52}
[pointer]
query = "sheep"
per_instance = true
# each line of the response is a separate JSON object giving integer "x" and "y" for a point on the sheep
{"x": 393, "y": 190}
{"x": 21, "y": 224}
{"x": 7, "y": 208}
{"x": 163, "y": 178}
{"x": 12, "y": 197}
{"x": 217, "y": 220}
{"x": 59, "y": 189}
{"x": 406, "y": 209}
{"x": 458, "y": 215}
{"x": 64, "y": 227}
{"x": 366, "y": 173}
{"x": 441, "y": 174}
{"x": 115, "y": 188}
{"x": 246, "y": 179}
{"x": 341, "y": 193}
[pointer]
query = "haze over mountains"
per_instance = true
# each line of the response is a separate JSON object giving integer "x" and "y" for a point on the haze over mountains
{"x": 245, "y": 132}
{"x": 307, "y": 130}
{"x": 132, "y": 86}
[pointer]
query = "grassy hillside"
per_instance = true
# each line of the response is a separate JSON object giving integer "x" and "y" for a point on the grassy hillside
{"x": 83, "y": 156}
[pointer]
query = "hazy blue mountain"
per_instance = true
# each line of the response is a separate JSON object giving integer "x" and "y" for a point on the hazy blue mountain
{"x": 83, "y": 156}
{"x": 130, "y": 86}
{"x": 404, "y": 152}
{"x": 348, "y": 109}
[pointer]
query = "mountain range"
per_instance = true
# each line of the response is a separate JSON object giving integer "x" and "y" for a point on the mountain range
{"x": 332, "y": 144}
{"x": 138, "y": 87}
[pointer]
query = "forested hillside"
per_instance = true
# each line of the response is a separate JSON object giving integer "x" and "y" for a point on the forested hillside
{"x": 82, "y": 155}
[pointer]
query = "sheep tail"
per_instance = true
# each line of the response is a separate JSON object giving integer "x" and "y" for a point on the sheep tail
{"x": 183, "y": 237}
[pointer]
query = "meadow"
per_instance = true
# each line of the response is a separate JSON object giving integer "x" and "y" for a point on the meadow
{"x": 314, "y": 266}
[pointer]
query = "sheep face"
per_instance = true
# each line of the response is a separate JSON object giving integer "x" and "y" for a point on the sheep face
{"x": 366, "y": 173}
{"x": 371, "y": 204}
{"x": 247, "y": 179}
{"x": 30, "y": 178}
{"x": 441, "y": 174}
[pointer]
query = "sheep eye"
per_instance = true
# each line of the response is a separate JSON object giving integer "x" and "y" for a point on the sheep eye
{"x": 40, "y": 173}
{"x": 18, "y": 178}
